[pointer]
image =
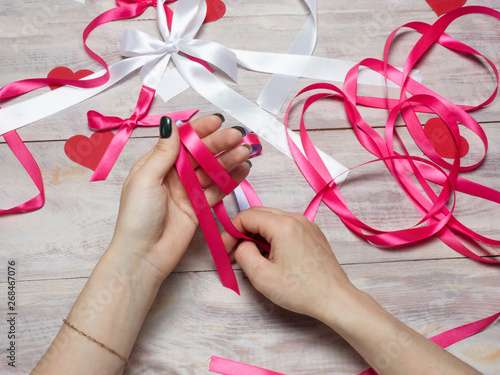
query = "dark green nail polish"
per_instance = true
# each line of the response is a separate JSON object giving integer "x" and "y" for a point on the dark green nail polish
{"x": 165, "y": 127}
{"x": 242, "y": 131}
{"x": 249, "y": 163}
{"x": 220, "y": 116}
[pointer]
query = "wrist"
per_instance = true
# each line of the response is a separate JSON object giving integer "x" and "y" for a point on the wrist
{"x": 344, "y": 307}
{"x": 113, "y": 305}
{"x": 132, "y": 271}
{"x": 356, "y": 313}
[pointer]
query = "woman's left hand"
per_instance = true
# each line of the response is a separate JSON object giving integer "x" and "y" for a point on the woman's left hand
{"x": 156, "y": 220}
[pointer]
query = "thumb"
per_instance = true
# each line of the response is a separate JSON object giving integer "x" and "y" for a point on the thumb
{"x": 255, "y": 266}
{"x": 164, "y": 154}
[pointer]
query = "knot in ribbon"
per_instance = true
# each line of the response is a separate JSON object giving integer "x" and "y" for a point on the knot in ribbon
{"x": 125, "y": 127}
{"x": 186, "y": 22}
{"x": 171, "y": 47}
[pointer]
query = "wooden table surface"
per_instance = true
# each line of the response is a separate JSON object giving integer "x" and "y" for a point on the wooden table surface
{"x": 428, "y": 286}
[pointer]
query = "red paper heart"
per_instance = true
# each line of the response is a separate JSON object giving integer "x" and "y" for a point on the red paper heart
{"x": 445, "y": 6}
{"x": 88, "y": 151}
{"x": 215, "y": 10}
{"x": 62, "y": 72}
{"x": 442, "y": 140}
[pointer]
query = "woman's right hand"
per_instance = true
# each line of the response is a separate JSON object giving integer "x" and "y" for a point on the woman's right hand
{"x": 301, "y": 273}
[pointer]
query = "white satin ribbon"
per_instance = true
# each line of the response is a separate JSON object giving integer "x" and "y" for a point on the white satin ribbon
{"x": 17, "y": 115}
{"x": 314, "y": 67}
{"x": 153, "y": 56}
{"x": 241, "y": 198}
{"x": 188, "y": 18}
{"x": 279, "y": 87}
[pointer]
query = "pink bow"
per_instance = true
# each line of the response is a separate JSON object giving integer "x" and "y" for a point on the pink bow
{"x": 98, "y": 121}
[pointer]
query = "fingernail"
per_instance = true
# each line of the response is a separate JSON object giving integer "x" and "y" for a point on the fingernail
{"x": 242, "y": 131}
{"x": 220, "y": 116}
{"x": 165, "y": 127}
{"x": 247, "y": 146}
{"x": 249, "y": 163}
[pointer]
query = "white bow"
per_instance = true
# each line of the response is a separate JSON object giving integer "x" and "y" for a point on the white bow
{"x": 188, "y": 18}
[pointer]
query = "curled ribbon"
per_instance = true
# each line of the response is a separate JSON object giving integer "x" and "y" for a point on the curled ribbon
{"x": 439, "y": 219}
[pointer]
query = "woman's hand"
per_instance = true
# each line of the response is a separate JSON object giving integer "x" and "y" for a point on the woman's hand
{"x": 156, "y": 221}
{"x": 301, "y": 273}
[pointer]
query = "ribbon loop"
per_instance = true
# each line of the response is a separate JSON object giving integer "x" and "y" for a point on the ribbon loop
{"x": 187, "y": 20}
{"x": 138, "y": 118}
{"x": 137, "y": 43}
{"x": 192, "y": 142}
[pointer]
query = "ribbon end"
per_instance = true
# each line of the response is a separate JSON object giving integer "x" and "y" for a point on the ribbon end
{"x": 231, "y": 283}
{"x": 95, "y": 177}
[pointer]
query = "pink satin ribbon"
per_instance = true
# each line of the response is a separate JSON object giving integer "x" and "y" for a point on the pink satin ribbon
{"x": 191, "y": 142}
{"x": 24, "y": 156}
{"x": 438, "y": 218}
{"x": 126, "y": 127}
{"x": 126, "y": 9}
{"x": 445, "y": 339}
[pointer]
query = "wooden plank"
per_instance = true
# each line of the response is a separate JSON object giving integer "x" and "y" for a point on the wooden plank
{"x": 74, "y": 11}
{"x": 194, "y": 318}
{"x": 343, "y": 33}
{"x": 71, "y": 231}
{"x": 58, "y": 246}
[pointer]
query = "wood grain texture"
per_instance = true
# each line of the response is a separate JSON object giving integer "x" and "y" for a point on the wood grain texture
{"x": 194, "y": 318}
{"x": 77, "y": 221}
{"x": 427, "y": 285}
{"x": 31, "y": 48}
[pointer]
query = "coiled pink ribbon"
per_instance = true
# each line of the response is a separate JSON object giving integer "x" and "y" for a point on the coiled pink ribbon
{"x": 445, "y": 339}
{"x": 439, "y": 219}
